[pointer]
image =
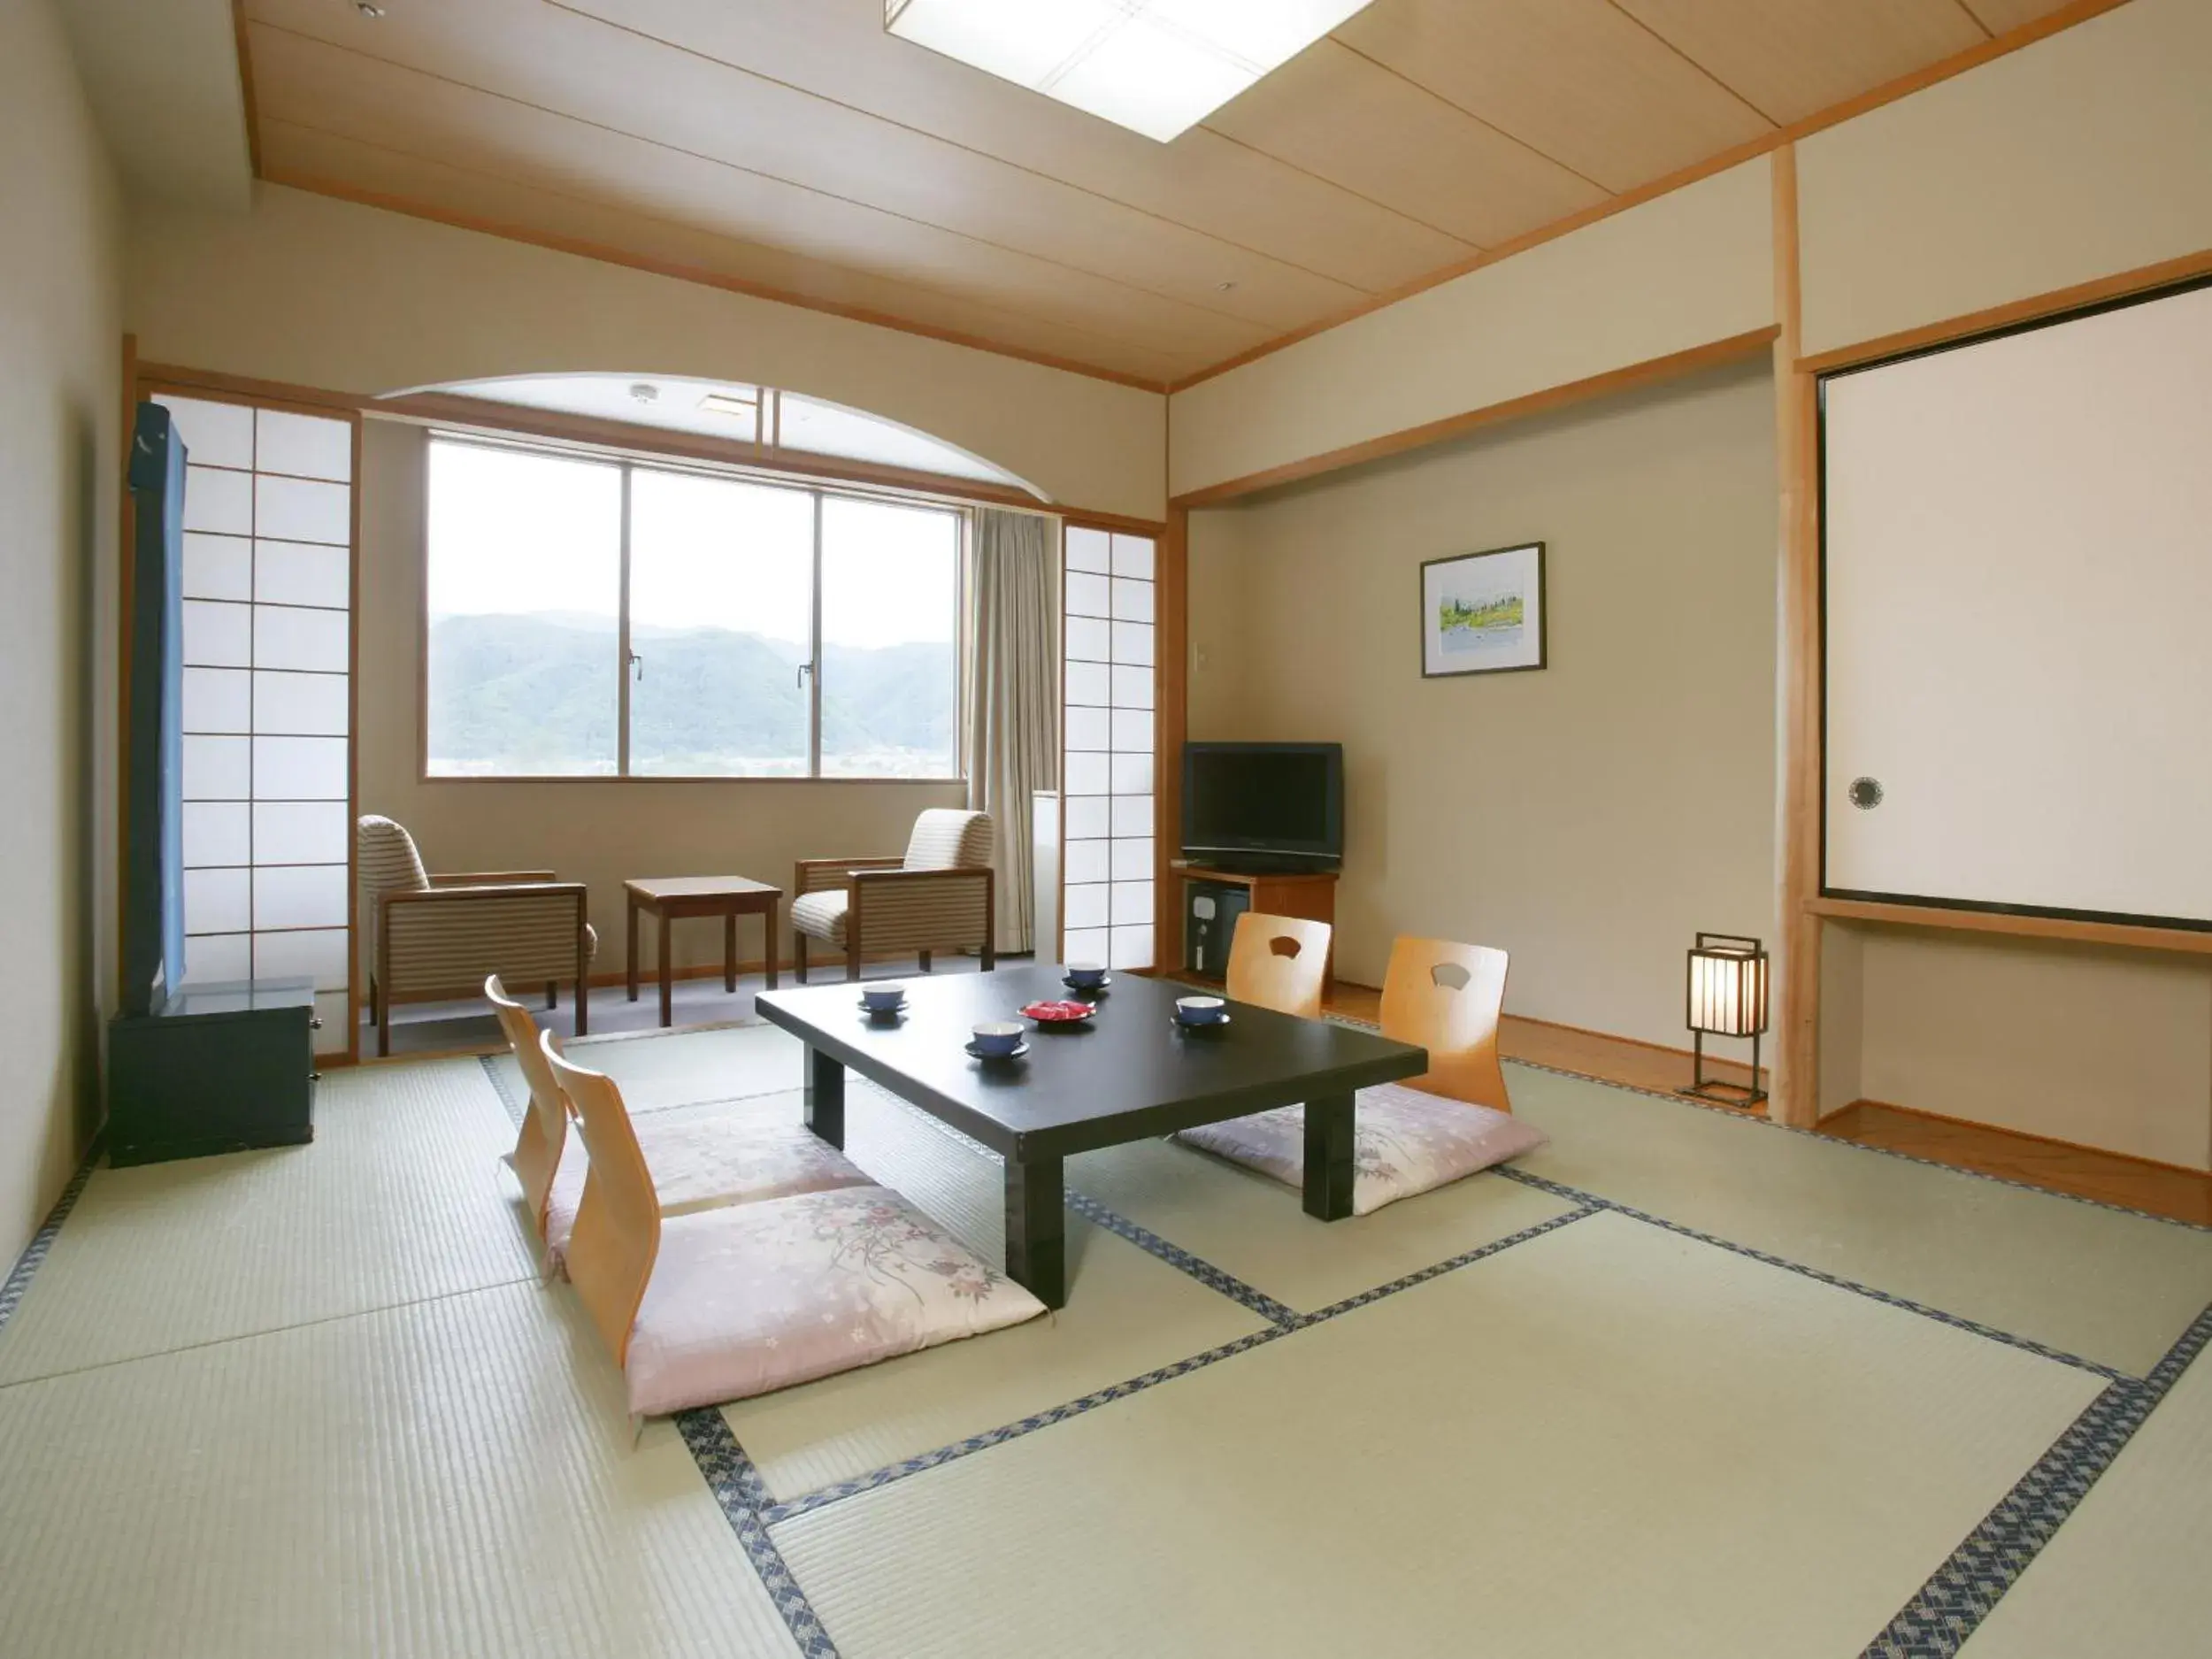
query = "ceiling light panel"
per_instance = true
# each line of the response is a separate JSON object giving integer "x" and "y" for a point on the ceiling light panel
{"x": 1155, "y": 67}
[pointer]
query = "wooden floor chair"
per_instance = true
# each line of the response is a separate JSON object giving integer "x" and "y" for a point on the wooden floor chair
{"x": 1451, "y": 1121}
{"x": 699, "y": 1159}
{"x": 739, "y": 1300}
{"x": 1279, "y": 962}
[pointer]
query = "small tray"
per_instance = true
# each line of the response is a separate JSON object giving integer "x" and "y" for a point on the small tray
{"x": 1205, "y": 1024}
{"x": 1015, "y": 1053}
{"x": 899, "y": 1007}
{"x": 1059, "y": 1022}
{"x": 1068, "y": 979}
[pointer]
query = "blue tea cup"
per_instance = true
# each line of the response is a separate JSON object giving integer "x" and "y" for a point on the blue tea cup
{"x": 1201, "y": 1011}
{"x": 998, "y": 1036}
{"x": 1088, "y": 975}
{"x": 883, "y": 999}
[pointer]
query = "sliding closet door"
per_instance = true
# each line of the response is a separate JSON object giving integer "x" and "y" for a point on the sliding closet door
{"x": 268, "y": 700}
{"x": 1108, "y": 776}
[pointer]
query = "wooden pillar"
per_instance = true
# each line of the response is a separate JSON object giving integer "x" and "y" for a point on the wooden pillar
{"x": 1796, "y": 1012}
{"x": 1171, "y": 710}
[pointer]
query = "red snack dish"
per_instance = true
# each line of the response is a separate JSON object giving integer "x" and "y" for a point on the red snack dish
{"x": 1059, "y": 1013}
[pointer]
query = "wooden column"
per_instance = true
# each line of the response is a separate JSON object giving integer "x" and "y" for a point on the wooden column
{"x": 1170, "y": 713}
{"x": 1796, "y": 1013}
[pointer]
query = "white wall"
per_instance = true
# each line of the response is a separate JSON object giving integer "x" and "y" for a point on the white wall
{"x": 1682, "y": 271}
{"x": 60, "y": 478}
{"x": 2084, "y": 155}
{"x": 1589, "y": 817}
{"x": 324, "y": 293}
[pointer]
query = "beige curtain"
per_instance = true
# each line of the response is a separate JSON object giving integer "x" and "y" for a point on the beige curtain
{"x": 1013, "y": 681}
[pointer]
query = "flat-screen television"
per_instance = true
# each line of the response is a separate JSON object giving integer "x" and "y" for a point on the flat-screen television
{"x": 1263, "y": 806}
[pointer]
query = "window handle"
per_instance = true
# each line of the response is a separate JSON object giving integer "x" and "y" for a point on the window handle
{"x": 805, "y": 670}
{"x": 637, "y": 666}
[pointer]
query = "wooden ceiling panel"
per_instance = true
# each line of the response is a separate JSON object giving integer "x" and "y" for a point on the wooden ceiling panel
{"x": 335, "y": 91}
{"x": 2000, "y": 16}
{"x": 312, "y": 160}
{"x": 1578, "y": 79}
{"x": 632, "y": 86}
{"x": 1792, "y": 59}
{"x": 838, "y": 49}
{"x": 1346, "y": 118}
{"x": 794, "y": 146}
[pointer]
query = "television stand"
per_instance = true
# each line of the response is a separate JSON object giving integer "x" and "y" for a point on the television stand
{"x": 1307, "y": 893}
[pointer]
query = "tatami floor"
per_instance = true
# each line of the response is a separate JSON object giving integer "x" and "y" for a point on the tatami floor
{"x": 1682, "y": 1383}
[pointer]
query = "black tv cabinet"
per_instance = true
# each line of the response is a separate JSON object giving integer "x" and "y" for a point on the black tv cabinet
{"x": 215, "y": 1068}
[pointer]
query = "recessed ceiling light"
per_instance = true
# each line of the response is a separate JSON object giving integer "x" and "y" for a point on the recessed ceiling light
{"x": 733, "y": 403}
{"x": 368, "y": 7}
{"x": 1155, "y": 67}
{"x": 645, "y": 392}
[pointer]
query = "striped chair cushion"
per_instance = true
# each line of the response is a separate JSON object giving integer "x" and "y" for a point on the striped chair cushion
{"x": 946, "y": 838}
{"x": 821, "y": 915}
{"x": 387, "y": 861}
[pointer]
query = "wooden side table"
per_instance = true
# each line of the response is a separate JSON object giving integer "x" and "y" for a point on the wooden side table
{"x": 674, "y": 898}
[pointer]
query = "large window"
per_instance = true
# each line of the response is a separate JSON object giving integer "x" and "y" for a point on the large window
{"x": 773, "y": 630}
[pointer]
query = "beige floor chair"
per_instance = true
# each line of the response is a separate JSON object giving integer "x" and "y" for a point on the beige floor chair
{"x": 1451, "y": 1121}
{"x": 1279, "y": 962}
{"x": 737, "y": 1152}
{"x": 724, "y": 1303}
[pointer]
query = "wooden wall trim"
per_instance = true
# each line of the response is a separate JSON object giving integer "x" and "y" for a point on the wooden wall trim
{"x": 2181, "y": 941}
{"x": 1796, "y": 1098}
{"x": 1904, "y": 86}
{"x": 680, "y": 271}
{"x": 1651, "y": 371}
{"x": 2034, "y": 307}
{"x": 1170, "y": 726}
{"x": 251, "y": 109}
{"x": 450, "y": 409}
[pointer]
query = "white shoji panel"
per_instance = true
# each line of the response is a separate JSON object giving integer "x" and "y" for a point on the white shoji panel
{"x": 303, "y": 446}
{"x": 268, "y": 579}
{"x": 1109, "y": 771}
{"x": 1086, "y": 944}
{"x": 1088, "y": 861}
{"x": 301, "y": 574}
{"x": 218, "y": 567}
{"x": 219, "y": 832}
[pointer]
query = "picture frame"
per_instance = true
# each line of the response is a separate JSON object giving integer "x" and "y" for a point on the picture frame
{"x": 1483, "y": 613}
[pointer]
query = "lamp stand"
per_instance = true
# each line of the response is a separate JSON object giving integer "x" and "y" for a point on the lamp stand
{"x": 1716, "y": 1089}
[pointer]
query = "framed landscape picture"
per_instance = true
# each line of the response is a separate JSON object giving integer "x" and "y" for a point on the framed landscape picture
{"x": 1483, "y": 613}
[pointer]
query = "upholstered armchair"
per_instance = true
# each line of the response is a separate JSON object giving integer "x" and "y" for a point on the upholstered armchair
{"x": 443, "y": 935}
{"x": 940, "y": 896}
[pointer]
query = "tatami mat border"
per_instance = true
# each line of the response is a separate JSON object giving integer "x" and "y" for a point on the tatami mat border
{"x": 792, "y": 1509}
{"x": 1961, "y": 1594}
{"x": 1560, "y": 1189}
{"x": 18, "y": 1279}
{"x": 1175, "y": 1256}
{"x": 515, "y": 1108}
{"x": 738, "y": 1488}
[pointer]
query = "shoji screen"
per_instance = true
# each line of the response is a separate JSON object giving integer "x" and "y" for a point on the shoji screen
{"x": 1107, "y": 775}
{"x": 268, "y": 771}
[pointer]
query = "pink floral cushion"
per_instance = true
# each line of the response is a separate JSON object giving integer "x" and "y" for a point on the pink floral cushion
{"x": 1405, "y": 1143}
{"x": 761, "y": 1297}
{"x": 702, "y": 1159}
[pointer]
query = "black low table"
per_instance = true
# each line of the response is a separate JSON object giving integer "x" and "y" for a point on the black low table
{"x": 1129, "y": 1074}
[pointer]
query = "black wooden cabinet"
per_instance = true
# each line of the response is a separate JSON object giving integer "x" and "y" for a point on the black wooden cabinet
{"x": 216, "y": 1068}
